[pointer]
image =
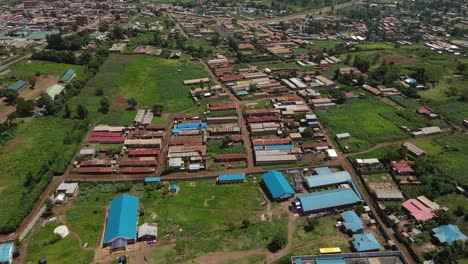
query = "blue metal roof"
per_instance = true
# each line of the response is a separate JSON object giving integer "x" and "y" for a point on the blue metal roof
{"x": 5, "y": 250}
{"x": 277, "y": 185}
{"x": 328, "y": 199}
{"x": 351, "y": 221}
{"x": 327, "y": 179}
{"x": 17, "y": 85}
{"x": 191, "y": 126}
{"x": 329, "y": 261}
{"x": 152, "y": 179}
{"x": 66, "y": 76}
{"x": 323, "y": 170}
{"x": 232, "y": 177}
{"x": 448, "y": 234}
{"x": 365, "y": 242}
{"x": 122, "y": 218}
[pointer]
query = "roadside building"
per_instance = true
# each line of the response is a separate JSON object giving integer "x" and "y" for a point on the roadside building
{"x": 225, "y": 31}
{"x": 152, "y": 180}
{"x": 413, "y": 149}
{"x": 121, "y": 225}
{"x": 70, "y": 189}
{"x": 342, "y": 136}
{"x": 448, "y": 234}
{"x": 423, "y": 199}
{"x": 331, "y": 154}
{"x": 327, "y": 179}
{"x": 231, "y": 178}
{"x": 365, "y": 242}
{"x": 277, "y": 185}
{"x": 418, "y": 210}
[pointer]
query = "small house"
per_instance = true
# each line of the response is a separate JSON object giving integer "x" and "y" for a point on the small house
{"x": 174, "y": 188}
{"x": 147, "y": 232}
{"x": 231, "y": 178}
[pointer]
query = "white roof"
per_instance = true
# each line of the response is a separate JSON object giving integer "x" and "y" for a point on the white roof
{"x": 62, "y": 231}
{"x": 147, "y": 229}
{"x": 331, "y": 153}
{"x": 68, "y": 187}
{"x": 175, "y": 162}
{"x": 343, "y": 135}
{"x": 87, "y": 151}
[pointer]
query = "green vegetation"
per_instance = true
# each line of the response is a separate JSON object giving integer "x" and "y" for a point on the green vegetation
{"x": 151, "y": 80}
{"x": 215, "y": 147}
{"x": 220, "y": 113}
{"x": 57, "y": 250}
{"x": 86, "y": 221}
{"x": 42, "y": 148}
{"x": 364, "y": 121}
{"x": 119, "y": 117}
{"x": 26, "y": 70}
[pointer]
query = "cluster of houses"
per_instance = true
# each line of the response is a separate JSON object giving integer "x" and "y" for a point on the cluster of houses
{"x": 187, "y": 148}
{"x": 138, "y": 147}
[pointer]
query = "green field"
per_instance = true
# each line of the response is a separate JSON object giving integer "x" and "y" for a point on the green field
{"x": 457, "y": 205}
{"x": 214, "y": 147}
{"x": 57, "y": 250}
{"x": 37, "y": 150}
{"x": 364, "y": 121}
{"x": 153, "y": 80}
{"x": 205, "y": 217}
{"x": 25, "y": 70}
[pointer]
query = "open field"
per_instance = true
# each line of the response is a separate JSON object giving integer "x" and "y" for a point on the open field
{"x": 364, "y": 121}
{"x": 57, "y": 250}
{"x": 153, "y": 80}
{"x": 214, "y": 147}
{"x": 28, "y": 162}
{"x": 25, "y": 70}
{"x": 457, "y": 205}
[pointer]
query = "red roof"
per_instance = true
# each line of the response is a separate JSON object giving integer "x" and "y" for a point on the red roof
{"x": 186, "y": 141}
{"x": 110, "y": 140}
{"x": 133, "y": 170}
{"x": 418, "y": 210}
{"x": 264, "y": 142}
{"x": 95, "y": 170}
{"x": 105, "y": 134}
{"x": 155, "y": 127}
{"x": 96, "y": 163}
{"x": 186, "y": 116}
{"x": 231, "y": 78}
{"x": 261, "y": 112}
{"x": 137, "y": 163}
{"x": 236, "y": 138}
{"x": 245, "y": 46}
{"x": 143, "y": 152}
{"x": 402, "y": 167}
{"x": 262, "y": 119}
{"x": 425, "y": 110}
{"x": 221, "y": 106}
{"x": 230, "y": 157}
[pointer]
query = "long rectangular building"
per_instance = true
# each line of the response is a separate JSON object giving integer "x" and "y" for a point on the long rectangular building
{"x": 327, "y": 200}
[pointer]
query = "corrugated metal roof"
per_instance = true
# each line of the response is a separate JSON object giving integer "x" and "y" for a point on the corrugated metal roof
{"x": 328, "y": 199}
{"x": 5, "y": 252}
{"x": 152, "y": 179}
{"x": 327, "y": 179}
{"x": 231, "y": 177}
{"x": 54, "y": 90}
{"x": 17, "y": 85}
{"x": 448, "y": 234}
{"x": 329, "y": 261}
{"x": 365, "y": 242}
{"x": 122, "y": 218}
{"x": 277, "y": 185}
{"x": 351, "y": 221}
{"x": 67, "y": 75}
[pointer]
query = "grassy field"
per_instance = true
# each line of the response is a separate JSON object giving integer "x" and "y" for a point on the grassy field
{"x": 364, "y": 121}
{"x": 214, "y": 147}
{"x": 455, "y": 202}
{"x": 25, "y": 70}
{"x": 57, "y": 250}
{"x": 119, "y": 117}
{"x": 38, "y": 146}
{"x": 152, "y": 80}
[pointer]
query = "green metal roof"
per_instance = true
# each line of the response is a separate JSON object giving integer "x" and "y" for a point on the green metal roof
{"x": 17, "y": 85}
{"x": 54, "y": 90}
{"x": 67, "y": 75}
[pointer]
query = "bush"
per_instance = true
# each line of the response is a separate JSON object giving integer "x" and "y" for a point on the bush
{"x": 278, "y": 242}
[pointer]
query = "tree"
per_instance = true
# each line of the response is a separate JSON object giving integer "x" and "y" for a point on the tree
{"x": 253, "y": 87}
{"x": 48, "y": 208}
{"x": 278, "y": 241}
{"x": 57, "y": 42}
{"x": 132, "y": 103}
{"x": 462, "y": 67}
{"x": 24, "y": 107}
{"x": 226, "y": 141}
{"x": 81, "y": 112}
{"x": 443, "y": 217}
{"x": 245, "y": 224}
{"x": 307, "y": 133}
{"x": 157, "y": 109}
{"x": 360, "y": 209}
{"x": 103, "y": 28}
{"x": 10, "y": 96}
{"x": 67, "y": 112}
{"x": 104, "y": 108}
{"x": 312, "y": 223}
